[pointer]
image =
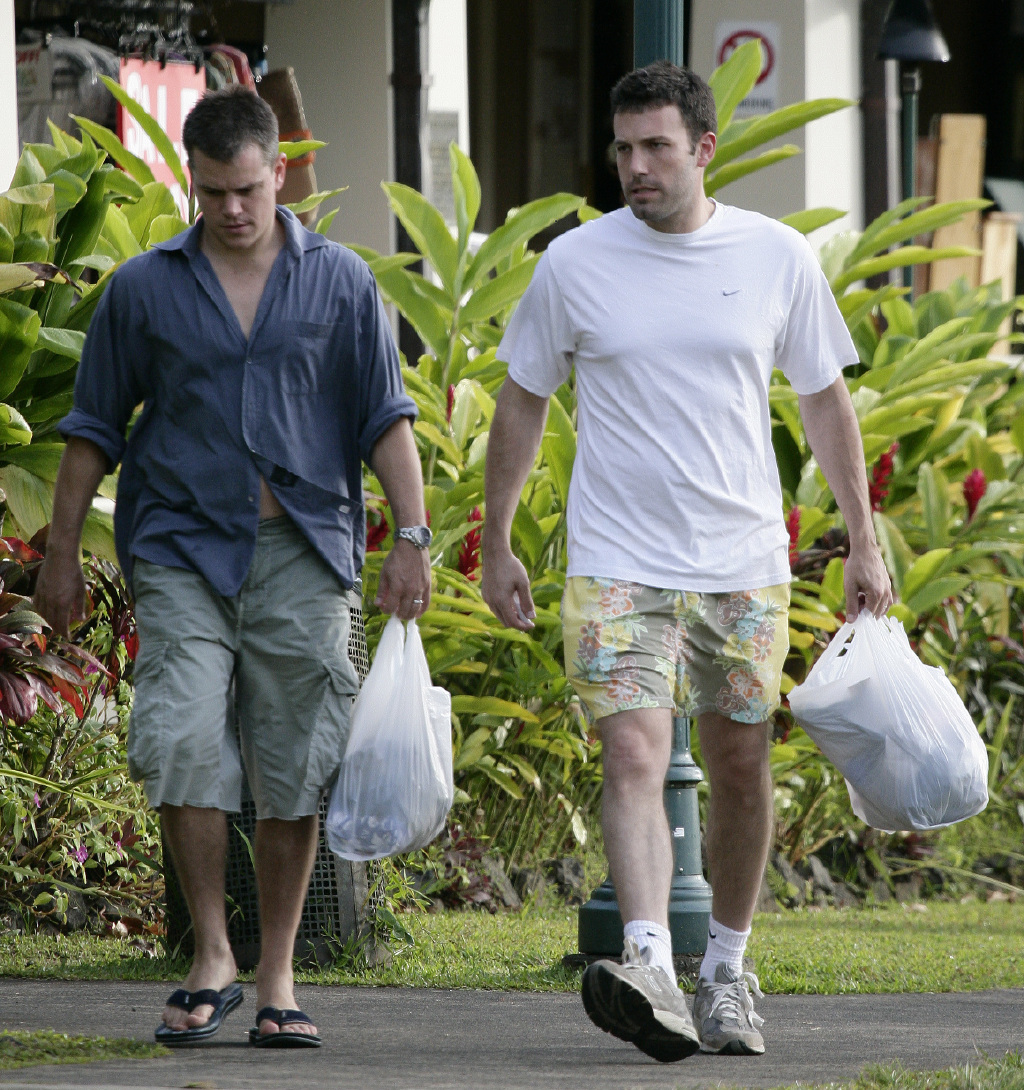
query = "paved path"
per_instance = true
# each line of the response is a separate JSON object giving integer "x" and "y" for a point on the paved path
{"x": 400, "y": 1039}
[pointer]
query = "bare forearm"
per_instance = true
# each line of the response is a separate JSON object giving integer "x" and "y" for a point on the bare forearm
{"x": 833, "y": 433}
{"x": 515, "y": 436}
{"x": 82, "y": 468}
{"x": 396, "y": 463}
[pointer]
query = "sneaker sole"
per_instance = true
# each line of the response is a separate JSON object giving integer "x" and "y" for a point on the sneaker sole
{"x": 735, "y": 1048}
{"x": 625, "y": 1012}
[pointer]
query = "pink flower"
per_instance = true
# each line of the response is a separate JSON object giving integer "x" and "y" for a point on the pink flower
{"x": 469, "y": 553}
{"x": 975, "y": 486}
{"x": 81, "y": 853}
{"x": 878, "y": 486}
{"x": 793, "y": 526}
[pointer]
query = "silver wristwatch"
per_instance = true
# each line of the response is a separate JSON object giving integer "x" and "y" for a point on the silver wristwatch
{"x": 420, "y": 536}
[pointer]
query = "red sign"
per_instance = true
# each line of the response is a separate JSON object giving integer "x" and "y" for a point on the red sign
{"x": 166, "y": 92}
{"x": 741, "y": 37}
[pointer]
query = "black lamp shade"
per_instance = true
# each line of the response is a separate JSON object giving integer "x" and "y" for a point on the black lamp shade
{"x": 910, "y": 33}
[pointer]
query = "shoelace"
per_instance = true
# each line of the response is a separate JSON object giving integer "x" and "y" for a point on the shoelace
{"x": 734, "y": 1002}
{"x": 633, "y": 955}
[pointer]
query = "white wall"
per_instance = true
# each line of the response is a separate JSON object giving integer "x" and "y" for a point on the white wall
{"x": 446, "y": 50}
{"x": 819, "y": 58}
{"x": 9, "y": 145}
{"x": 341, "y": 56}
{"x": 833, "y": 167}
{"x": 779, "y": 189}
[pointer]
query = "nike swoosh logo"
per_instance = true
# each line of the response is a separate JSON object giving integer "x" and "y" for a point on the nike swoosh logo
{"x": 733, "y": 292}
{"x": 712, "y": 935}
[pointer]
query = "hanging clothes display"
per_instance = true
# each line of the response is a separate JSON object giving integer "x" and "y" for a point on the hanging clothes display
{"x": 59, "y": 75}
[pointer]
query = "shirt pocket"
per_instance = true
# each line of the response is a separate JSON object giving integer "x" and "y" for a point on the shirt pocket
{"x": 302, "y": 356}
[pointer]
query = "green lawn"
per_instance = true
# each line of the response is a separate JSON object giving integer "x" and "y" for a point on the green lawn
{"x": 947, "y": 947}
{"x": 21, "y": 1049}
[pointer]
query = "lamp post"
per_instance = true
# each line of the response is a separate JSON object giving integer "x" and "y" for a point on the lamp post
{"x": 910, "y": 35}
{"x": 659, "y": 34}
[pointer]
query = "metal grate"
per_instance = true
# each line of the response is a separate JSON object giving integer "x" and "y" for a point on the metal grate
{"x": 338, "y": 899}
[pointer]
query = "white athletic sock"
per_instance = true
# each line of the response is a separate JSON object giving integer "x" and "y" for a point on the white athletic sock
{"x": 652, "y": 936}
{"x": 726, "y": 945}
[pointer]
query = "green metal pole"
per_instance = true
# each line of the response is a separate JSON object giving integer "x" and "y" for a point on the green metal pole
{"x": 689, "y": 903}
{"x": 659, "y": 28}
{"x": 911, "y": 86}
{"x": 659, "y": 31}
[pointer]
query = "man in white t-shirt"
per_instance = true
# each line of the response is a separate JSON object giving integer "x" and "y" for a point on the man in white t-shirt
{"x": 674, "y": 312}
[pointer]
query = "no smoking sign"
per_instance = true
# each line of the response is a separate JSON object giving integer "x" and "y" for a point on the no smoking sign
{"x": 729, "y": 36}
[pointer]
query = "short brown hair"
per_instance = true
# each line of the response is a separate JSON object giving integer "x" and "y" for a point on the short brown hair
{"x": 223, "y": 122}
{"x": 666, "y": 84}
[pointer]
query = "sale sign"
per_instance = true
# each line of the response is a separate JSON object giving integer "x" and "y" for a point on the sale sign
{"x": 166, "y": 92}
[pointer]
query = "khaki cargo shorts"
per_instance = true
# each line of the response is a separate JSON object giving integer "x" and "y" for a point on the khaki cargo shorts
{"x": 628, "y": 646}
{"x": 273, "y": 659}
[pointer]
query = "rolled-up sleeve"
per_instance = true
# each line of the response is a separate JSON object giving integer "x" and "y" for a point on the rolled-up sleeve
{"x": 106, "y": 388}
{"x": 383, "y": 399}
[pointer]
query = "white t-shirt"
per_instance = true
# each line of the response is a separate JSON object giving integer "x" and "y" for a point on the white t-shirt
{"x": 674, "y": 338}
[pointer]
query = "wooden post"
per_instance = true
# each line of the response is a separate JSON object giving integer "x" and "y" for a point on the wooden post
{"x": 999, "y": 262}
{"x": 958, "y": 175}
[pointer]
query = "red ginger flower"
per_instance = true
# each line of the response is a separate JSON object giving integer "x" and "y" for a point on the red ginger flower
{"x": 376, "y": 532}
{"x": 878, "y": 486}
{"x": 469, "y": 554}
{"x": 793, "y": 526}
{"x": 975, "y": 486}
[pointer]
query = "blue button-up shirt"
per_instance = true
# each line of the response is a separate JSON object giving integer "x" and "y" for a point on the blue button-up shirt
{"x": 301, "y": 403}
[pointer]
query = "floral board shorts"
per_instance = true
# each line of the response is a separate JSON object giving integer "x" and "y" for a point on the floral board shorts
{"x": 629, "y": 646}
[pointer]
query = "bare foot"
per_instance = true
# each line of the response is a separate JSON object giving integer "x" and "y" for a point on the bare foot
{"x": 278, "y": 991}
{"x": 214, "y": 971}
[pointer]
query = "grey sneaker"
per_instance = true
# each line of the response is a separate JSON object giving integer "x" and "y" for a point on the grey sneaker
{"x": 637, "y": 1002}
{"x": 724, "y": 1012}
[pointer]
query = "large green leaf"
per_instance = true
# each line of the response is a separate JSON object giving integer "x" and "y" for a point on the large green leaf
{"x": 19, "y": 327}
{"x": 314, "y": 200}
{"x": 14, "y": 429}
{"x": 491, "y": 705}
{"x": 68, "y": 190}
{"x": 29, "y": 499}
{"x": 559, "y": 447}
{"x": 151, "y": 127}
{"x": 774, "y": 125}
{"x": 81, "y": 228}
{"x": 520, "y": 226}
{"x": 135, "y": 167}
{"x": 812, "y": 218}
{"x": 732, "y": 81}
{"x": 165, "y": 227}
{"x": 919, "y": 223}
{"x": 498, "y": 294}
{"x": 905, "y": 255}
{"x": 118, "y": 234}
{"x": 29, "y": 210}
{"x": 933, "y": 488}
{"x": 156, "y": 201}
{"x": 429, "y": 321}
{"x": 732, "y": 172}
{"x": 466, "y": 191}
{"x": 427, "y": 229}
{"x": 295, "y": 149}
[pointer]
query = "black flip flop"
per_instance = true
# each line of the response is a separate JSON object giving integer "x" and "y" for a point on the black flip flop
{"x": 223, "y": 1003}
{"x": 283, "y": 1017}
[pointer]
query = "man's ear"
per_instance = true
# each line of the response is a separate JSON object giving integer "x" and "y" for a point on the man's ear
{"x": 280, "y": 166}
{"x": 706, "y": 149}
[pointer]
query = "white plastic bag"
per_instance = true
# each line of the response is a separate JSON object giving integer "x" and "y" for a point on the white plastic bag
{"x": 895, "y": 728}
{"x": 394, "y": 788}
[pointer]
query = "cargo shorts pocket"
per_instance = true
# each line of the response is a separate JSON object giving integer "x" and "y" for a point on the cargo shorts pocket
{"x": 331, "y": 725}
{"x": 146, "y": 728}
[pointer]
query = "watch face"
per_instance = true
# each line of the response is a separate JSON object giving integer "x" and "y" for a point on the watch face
{"x": 420, "y": 536}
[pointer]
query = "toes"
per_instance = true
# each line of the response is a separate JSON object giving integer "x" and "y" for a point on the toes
{"x": 200, "y": 1016}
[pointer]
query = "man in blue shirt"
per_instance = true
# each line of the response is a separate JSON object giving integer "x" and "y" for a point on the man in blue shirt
{"x": 266, "y": 374}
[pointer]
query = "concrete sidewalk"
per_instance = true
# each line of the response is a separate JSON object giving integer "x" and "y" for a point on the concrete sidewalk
{"x": 395, "y": 1039}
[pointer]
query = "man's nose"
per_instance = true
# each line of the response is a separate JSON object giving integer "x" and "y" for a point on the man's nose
{"x": 232, "y": 204}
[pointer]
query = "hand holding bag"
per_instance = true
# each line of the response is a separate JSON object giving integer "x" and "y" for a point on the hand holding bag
{"x": 394, "y": 788}
{"x": 895, "y": 728}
